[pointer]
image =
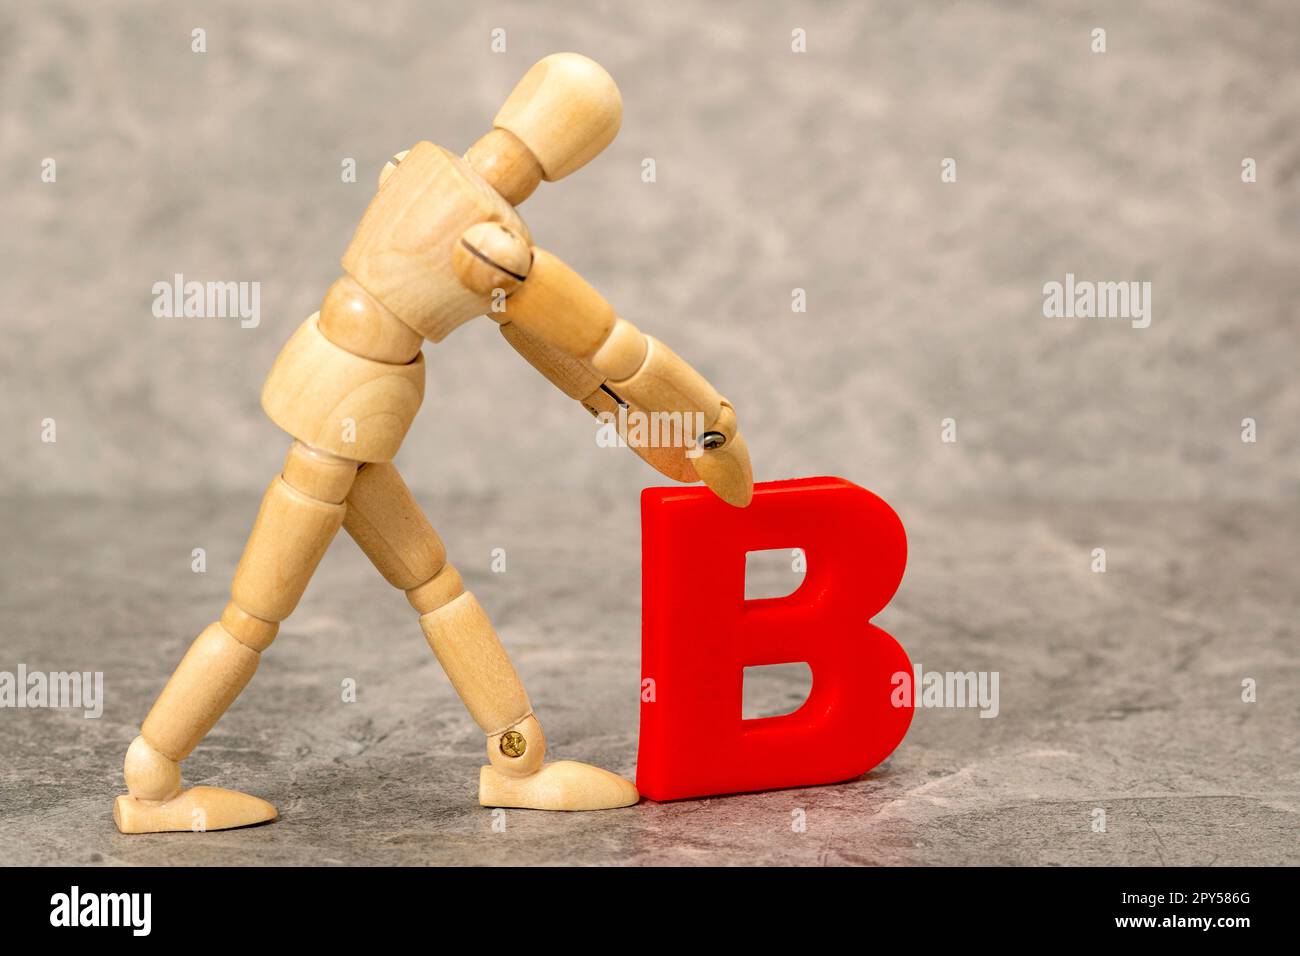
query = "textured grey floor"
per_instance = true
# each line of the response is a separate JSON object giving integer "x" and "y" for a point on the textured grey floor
{"x": 1119, "y": 691}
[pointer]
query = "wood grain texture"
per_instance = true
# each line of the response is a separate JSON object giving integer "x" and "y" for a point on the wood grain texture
{"x": 317, "y": 473}
{"x": 288, "y": 540}
{"x": 208, "y": 679}
{"x": 442, "y": 588}
{"x": 198, "y": 809}
{"x": 563, "y": 785}
{"x": 664, "y": 459}
{"x": 390, "y": 527}
{"x": 566, "y": 109}
{"x": 292, "y": 532}
{"x": 252, "y": 632}
{"x": 556, "y": 304}
{"x": 491, "y": 260}
{"x": 727, "y": 469}
{"x": 569, "y": 374}
{"x": 390, "y": 167}
{"x": 355, "y": 320}
{"x": 329, "y": 398}
{"x": 666, "y": 383}
{"x": 622, "y": 353}
{"x": 150, "y": 774}
{"x": 477, "y": 665}
{"x": 402, "y": 250}
{"x": 506, "y": 164}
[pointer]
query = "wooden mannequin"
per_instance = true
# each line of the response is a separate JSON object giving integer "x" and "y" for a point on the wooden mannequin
{"x": 440, "y": 244}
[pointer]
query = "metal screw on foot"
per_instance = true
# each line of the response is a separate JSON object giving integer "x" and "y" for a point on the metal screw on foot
{"x": 513, "y": 743}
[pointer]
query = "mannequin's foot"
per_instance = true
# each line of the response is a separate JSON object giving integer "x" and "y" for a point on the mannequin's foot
{"x": 564, "y": 785}
{"x": 196, "y": 809}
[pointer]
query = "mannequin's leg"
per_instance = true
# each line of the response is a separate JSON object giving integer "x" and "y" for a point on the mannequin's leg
{"x": 386, "y": 522}
{"x": 301, "y": 512}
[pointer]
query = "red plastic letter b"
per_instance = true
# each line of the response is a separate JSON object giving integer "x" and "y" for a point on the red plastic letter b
{"x": 699, "y": 634}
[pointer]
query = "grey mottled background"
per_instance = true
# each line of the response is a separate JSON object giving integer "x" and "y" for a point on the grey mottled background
{"x": 775, "y": 171}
